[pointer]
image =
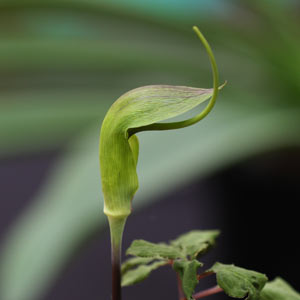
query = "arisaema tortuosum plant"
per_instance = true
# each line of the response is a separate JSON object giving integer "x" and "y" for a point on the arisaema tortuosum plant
{"x": 140, "y": 110}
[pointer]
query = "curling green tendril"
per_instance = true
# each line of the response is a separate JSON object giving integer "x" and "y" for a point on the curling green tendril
{"x": 207, "y": 109}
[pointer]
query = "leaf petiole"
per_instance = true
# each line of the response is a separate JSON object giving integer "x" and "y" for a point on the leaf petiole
{"x": 203, "y": 275}
{"x": 211, "y": 291}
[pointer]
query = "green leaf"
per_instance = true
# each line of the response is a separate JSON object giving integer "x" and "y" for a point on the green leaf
{"x": 196, "y": 242}
{"x": 188, "y": 274}
{"x": 238, "y": 282}
{"x": 143, "y": 248}
{"x": 133, "y": 262}
{"x": 279, "y": 289}
{"x": 140, "y": 273}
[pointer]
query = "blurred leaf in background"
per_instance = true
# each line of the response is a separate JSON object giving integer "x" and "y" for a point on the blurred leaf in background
{"x": 63, "y": 63}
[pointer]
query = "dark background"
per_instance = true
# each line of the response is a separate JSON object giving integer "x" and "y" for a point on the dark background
{"x": 254, "y": 203}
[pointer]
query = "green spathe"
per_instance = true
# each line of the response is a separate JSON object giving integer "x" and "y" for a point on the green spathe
{"x": 119, "y": 152}
{"x": 139, "y": 110}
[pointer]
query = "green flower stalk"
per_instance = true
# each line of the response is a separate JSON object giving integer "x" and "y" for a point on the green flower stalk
{"x": 135, "y": 111}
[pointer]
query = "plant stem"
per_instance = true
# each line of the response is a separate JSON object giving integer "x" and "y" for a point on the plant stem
{"x": 180, "y": 291}
{"x": 214, "y": 290}
{"x": 116, "y": 225}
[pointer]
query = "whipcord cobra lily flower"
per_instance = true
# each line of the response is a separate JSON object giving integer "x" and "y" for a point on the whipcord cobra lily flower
{"x": 135, "y": 111}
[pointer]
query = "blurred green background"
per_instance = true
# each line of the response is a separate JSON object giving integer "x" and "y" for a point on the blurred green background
{"x": 63, "y": 63}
